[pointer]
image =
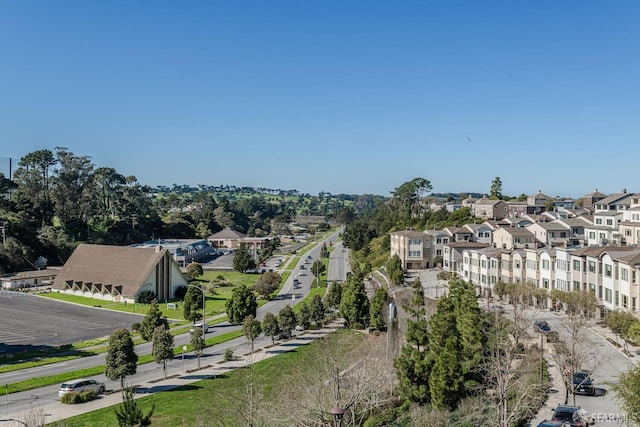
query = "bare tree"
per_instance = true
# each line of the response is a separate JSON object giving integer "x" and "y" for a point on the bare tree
{"x": 358, "y": 378}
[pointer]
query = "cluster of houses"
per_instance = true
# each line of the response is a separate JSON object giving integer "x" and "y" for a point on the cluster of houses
{"x": 593, "y": 247}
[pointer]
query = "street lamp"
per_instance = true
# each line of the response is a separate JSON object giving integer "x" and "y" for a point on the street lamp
{"x": 203, "y": 308}
{"x": 337, "y": 413}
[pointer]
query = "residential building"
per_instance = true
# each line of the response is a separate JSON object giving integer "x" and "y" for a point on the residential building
{"x": 513, "y": 238}
{"x": 538, "y": 199}
{"x": 414, "y": 248}
{"x": 490, "y": 209}
{"x": 551, "y": 233}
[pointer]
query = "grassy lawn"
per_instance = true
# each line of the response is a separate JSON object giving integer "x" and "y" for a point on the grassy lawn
{"x": 182, "y": 406}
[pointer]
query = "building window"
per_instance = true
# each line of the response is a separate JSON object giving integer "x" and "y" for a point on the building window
{"x": 592, "y": 267}
{"x": 624, "y": 301}
{"x": 609, "y": 221}
{"x": 438, "y": 241}
{"x": 598, "y": 221}
{"x": 600, "y": 291}
{"x": 592, "y": 235}
{"x": 607, "y": 270}
{"x": 607, "y": 295}
{"x": 545, "y": 283}
{"x": 576, "y": 265}
{"x": 617, "y": 298}
{"x": 625, "y": 274}
{"x": 484, "y": 263}
{"x": 545, "y": 264}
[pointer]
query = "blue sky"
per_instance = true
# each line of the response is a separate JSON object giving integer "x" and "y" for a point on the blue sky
{"x": 339, "y": 96}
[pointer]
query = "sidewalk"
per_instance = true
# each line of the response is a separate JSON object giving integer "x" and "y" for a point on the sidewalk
{"x": 213, "y": 368}
{"x": 557, "y": 391}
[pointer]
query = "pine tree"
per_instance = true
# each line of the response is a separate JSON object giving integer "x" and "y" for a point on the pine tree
{"x": 128, "y": 412}
{"x": 354, "y": 304}
{"x": 152, "y": 320}
{"x": 446, "y": 381}
{"x": 121, "y": 359}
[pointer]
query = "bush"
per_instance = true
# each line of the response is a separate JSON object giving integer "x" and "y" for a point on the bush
{"x": 73, "y": 398}
{"x": 228, "y": 355}
{"x": 146, "y": 297}
{"x": 553, "y": 336}
{"x": 181, "y": 291}
{"x": 357, "y": 326}
{"x": 135, "y": 327}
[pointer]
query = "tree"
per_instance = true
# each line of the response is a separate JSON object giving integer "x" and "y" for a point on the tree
{"x": 121, "y": 359}
{"x": 128, "y": 412}
{"x": 152, "y": 320}
{"x": 324, "y": 251}
{"x": 304, "y": 316}
{"x": 496, "y": 189}
{"x": 251, "y": 328}
{"x": 395, "y": 270}
{"x": 468, "y": 323}
{"x": 354, "y": 304}
{"x": 242, "y": 260}
{"x": 627, "y": 393}
{"x": 333, "y": 296}
{"x": 192, "y": 303}
{"x": 408, "y": 196}
{"x": 270, "y": 326}
{"x": 162, "y": 348}
{"x": 378, "y": 304}
{"x": 317, "y": 309}
{"x": 198, "y": 343}
{"x": 268, "y": 283}
{"x": 242, "y": 303}
{"x": 446, "y": 381}
{"x": 287, "y": 320}
{"x": 194, "y": 270}
{"x": 317, "y": 268}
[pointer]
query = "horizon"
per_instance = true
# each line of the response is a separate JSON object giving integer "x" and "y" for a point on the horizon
{"x": 345, "y": 98}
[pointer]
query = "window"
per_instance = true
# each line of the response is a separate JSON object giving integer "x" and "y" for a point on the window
{"x": 484, "y": 263}
{"x": 607, "y": 295}
{"x": 607, "y": 270}
{"x": 438, "y": 241}
{"x": 545, "y": 283}
{"x": 592, "y": 235}
{"x": 599, "y": 221}
{"x": 625, "y": 274}
{"x": 545, "y": 264}
{"x": 600, "y": 291}
{"x": 635, "y": 217}
{"x": 446, "y": 250}
{"x": 624, "y": 301}
{"x": 415, "y": 254}
{"x": 576, "y": 265}
{"x": 592, "y": 267}
{"x": 517, "y": 264}
{"x": 609, "y": 221}
{"x": 576, "y": 285}
{"x": 617, "y": 298}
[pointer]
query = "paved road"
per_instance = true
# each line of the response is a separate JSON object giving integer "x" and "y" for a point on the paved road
{"x": 19, "y": 402}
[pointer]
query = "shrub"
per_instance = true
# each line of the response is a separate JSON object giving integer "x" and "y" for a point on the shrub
{"x": 228, "y": 355}
{"x": 181, "y": 291}
{"x": 357, "y": 325}
{"x": 135, "y": 327}
{"x": 73, "y": 398}
{"x": 146, "y": 297}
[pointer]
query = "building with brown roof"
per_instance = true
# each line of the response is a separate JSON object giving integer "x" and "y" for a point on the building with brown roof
{"x": 117, "y": 273}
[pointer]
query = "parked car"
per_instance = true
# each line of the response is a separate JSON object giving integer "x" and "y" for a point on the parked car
{"x": 574, "y": 416}
{"x": 583, "y": 383}
{"x": 541, "y": 326}
{"x": 80, "y": 385}
{"x": 496, "y": 307}
{"x": 547, "y": 423}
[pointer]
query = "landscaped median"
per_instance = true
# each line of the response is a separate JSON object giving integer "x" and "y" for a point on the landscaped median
{"x": 37, "y": 382}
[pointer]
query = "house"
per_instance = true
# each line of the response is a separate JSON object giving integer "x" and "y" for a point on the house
{"x": 414, "y": 248}
{"x": 29, "y": 279}
{"x": 513, "y": 238}
{"x": 538, "y": 199}
{"x": 184, "y": 251}
{"x": 614, "y": 202}
{"x": 119, "y": 273}
{"x": 439, "y": 238}
{"x": 452, "y": 258}
{"x": 550, "y": 233}
{"x": 590, "y": 199}
{"x": 481, "y": 232}
{"x": 490, "y": 209}
{"x": 629, "y": 226}
{"x": 604, "y": 230}
{"x": 226, "y": 238}
{"x": 515, "y": 209}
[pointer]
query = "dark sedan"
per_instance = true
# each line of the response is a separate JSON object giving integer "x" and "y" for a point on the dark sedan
{"x": 541, "y": 326}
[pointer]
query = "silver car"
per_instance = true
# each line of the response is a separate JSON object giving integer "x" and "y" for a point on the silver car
{"x": 78, "y": 386}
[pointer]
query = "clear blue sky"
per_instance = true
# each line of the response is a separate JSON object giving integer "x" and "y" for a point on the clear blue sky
{"x": 339, "y": 96}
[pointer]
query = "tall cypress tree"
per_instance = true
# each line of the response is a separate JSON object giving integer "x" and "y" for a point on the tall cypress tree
{"x": 468, "y": 323}
{"x": 446, "y": 381}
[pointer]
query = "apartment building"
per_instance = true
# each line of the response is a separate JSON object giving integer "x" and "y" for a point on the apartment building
{"x": 414, "y": 248}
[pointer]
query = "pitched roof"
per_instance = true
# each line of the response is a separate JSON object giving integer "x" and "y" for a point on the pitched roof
{"x": 596, "y": 251}
{"x": 595, "y": 193}
{"x": 409, "y": 233}
{"x": 226, "y": 234}
{"x": 123, "y": 266}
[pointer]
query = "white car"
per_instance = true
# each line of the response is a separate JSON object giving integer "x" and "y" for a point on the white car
{"x": 80, "y": 385}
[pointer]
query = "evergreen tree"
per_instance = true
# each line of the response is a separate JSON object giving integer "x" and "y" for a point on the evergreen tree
{"x": 304, "y": 316}
{"x": 496, "y": 189}
{"x": 378, "y": 305}
{"x": 333, "y": 296}
{"x": 121, "y": 359}
{"x": 395, "y": 270}
{"x": 413, "y": 368}
{"x": 354, "y": 304}
{"x": 468, "y": 323}
{"x": 194, "y": 270}
{"x": 163, "y": 348}
{"x": 129, "y": 414}
{"x": 192, "y": 303}
{"x": 242, "y": 303}
{"x": 317, "y": 309}
{"x": 242, "y": 260}
{"x": 324, "y": 251}
{"x": 152, "y": 320}
{"x": 446, "y": 381}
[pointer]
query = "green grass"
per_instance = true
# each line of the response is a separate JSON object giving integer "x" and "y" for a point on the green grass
{"x": 182, "y": 406}
{"x": 37, "y": 382}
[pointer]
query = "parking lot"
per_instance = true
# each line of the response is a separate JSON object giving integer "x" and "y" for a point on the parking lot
{"x": 29, "y": 322}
